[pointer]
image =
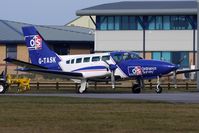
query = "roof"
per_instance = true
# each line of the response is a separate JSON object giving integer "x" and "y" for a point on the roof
{"x": 175, "y": 7}
{"x": 12, "y": 32}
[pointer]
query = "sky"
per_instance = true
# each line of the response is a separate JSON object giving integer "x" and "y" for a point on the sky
{"x": 45, "y": 12}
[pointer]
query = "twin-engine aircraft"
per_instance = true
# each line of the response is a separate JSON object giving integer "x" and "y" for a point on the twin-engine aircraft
{"x": 82, "y": 69}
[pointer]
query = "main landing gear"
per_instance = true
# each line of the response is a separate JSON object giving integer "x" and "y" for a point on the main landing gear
{"x": 138, "y": 86}
{"x": 83, "y": 86}
{"x": 158, "y": 88}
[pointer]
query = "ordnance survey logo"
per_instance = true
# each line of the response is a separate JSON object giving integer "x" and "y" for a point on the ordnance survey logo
{"x": 36, "y": 43}
{"x": 135, "y": 71}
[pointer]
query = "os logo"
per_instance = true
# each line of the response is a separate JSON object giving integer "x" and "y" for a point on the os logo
{"x": 135, "y": 71}
{"x": 36, "y": 42}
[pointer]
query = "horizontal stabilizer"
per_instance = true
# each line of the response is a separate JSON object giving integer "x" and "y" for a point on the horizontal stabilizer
{"x": 23, "y": 64}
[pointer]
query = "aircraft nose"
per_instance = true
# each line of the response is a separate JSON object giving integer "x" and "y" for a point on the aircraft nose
{"x": 171, "y": 66}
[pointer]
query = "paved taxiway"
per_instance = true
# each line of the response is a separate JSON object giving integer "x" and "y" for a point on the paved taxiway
{"x": 164, "y": 97}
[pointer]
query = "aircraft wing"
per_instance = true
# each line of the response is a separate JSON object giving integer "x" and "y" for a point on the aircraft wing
{"x": 23, "y": 64}
{"x": 57, "y": 73}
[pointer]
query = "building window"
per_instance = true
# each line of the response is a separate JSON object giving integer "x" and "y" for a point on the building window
{"x": 166, "y": 22}
{"x": 103, "y": 23}
{"x": 159, "y": 23}
{"x": 133, "y": 23}
{"x": 61, "y": 49}
{"x": 11, "y": 51}
{"x": 180, "y": 23}
{"x": 111, "y": 23}
{"x": 156, "y": 55}
{"x": 149, "y": 22}
{"x": 125, "y": 23}
{"x": 117, "y": 22}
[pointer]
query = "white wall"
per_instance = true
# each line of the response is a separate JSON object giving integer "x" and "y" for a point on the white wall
{"x": 167, "y": 40}
{"x": 118, "y": 40}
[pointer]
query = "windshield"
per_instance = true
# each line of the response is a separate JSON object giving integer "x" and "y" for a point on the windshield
{"x": 118, "y": 57}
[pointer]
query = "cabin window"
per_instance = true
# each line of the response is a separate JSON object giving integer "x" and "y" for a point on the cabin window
{"x": 96, "y": 58}
{"x": 78, "y": 60}
{"x": 86, "y": 59}
{"x": 72, "y": 61}
{"x": 68, "y": 62}
{"x": 105, "y": 58}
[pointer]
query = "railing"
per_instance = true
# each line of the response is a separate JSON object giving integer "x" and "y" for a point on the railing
{"x": 95, "y": 85}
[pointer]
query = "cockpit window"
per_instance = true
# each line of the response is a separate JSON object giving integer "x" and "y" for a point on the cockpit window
{"x": 117, "y": 57}
{"x": 126, "y": 56}
{"x": 135, "y": 56}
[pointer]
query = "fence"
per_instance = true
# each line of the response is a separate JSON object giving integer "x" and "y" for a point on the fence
{"x": 95, "y": 85}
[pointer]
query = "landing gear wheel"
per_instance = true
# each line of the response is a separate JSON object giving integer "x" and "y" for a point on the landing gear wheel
{"x": 3, "y": 88}
{"x": 136, "y": 89}
{"x": 158, "y": 89}
{"x": 77, "y": 91}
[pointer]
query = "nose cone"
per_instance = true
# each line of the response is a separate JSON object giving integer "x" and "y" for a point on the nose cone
{"x": 168, "y": 67}
{"x": 172, "y": 66}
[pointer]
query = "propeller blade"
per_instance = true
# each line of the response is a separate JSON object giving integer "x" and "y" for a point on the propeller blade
{"x": 182, "y": 59}
{"x": 112, "y": 68}
{"x": 174, "y": 79}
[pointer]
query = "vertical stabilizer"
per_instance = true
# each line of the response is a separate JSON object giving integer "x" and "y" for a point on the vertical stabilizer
{"x": 39, "y": 52}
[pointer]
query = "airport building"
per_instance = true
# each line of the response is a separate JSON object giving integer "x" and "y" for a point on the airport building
{"x": 62, "y": 39}
{"x": 163, "y": 30}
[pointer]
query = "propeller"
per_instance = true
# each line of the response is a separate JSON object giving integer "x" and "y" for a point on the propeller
{"x": 112, "y": 68}
{"x": 175, "y": 71}
{"x": 174, "y": 79}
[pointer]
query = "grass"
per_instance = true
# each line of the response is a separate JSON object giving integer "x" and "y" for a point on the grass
{"x": 75, "y": 115}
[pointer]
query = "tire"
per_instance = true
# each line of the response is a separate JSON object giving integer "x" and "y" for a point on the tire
{"x": 77, "y": 90}
{"x": 3, "y": 88}
{"x": 136, "y": 89}
{"x": 158, "y": 89}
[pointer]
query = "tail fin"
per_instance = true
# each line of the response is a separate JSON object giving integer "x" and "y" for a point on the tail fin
{"x": 39, "y": 53}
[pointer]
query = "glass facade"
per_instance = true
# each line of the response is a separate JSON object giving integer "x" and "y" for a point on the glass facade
{"x": 177, "y": 22}
{"x": 173, "y": 57}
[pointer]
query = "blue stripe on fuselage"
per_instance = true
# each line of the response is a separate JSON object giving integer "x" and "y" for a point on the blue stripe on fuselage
{"x": 90, "y": 68}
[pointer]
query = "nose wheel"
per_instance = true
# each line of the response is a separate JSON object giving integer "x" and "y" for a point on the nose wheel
{"x": 158, "y": 89}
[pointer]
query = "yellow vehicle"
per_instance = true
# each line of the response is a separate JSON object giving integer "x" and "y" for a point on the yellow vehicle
{"x": 23, "y": 83}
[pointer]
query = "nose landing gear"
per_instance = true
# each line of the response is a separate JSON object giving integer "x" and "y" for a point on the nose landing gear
{"x": 158, "y": 88}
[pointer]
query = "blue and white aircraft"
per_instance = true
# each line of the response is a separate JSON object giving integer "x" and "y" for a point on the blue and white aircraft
{"x": 109, "y": 66}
